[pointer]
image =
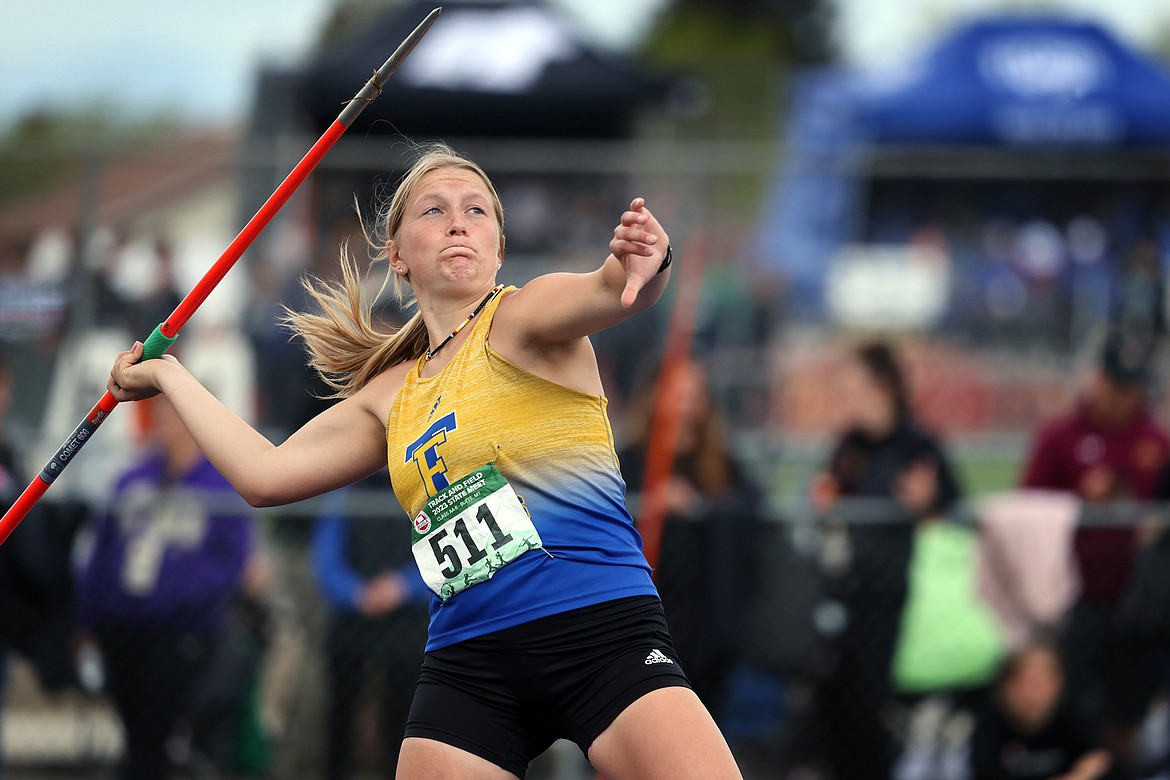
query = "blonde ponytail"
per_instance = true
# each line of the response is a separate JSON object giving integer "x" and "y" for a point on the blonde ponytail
{"x": 344, "y": 346}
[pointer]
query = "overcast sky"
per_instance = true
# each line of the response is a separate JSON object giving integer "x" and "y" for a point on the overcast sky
{"x": 195, "y": 58}
{"x": 199, "y": 59}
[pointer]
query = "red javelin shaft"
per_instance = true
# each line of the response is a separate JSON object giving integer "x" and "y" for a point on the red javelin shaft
{"x": 661, "y": 442}
{"x": 166, "y": 333}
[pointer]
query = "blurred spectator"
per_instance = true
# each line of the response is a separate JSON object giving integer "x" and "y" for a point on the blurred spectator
{"x": 1109, "y": 451}
{"x": 167, "y": 560}
{"x": 712, "y": 509}
{"x": 225, "y": 705}
{"x": 285, "y": 387}
{"x": 36, "y": 607}
{"x": 1142, "y": 622}
{"x": 885, "y": 473}
{"x": 1090, "y": 275}
{"x": 1139, "y": 310}
{"x": 377, "y": 623}
{"x": 161, "y": 297}
{"x": 106, "y": 256}
{"x": 11, "y": 483}
{"x": 949, "y": 638}
{"x": 623, "y": 351}
{"x": 1027, "y": 573}
{"x": 1036, "y": 263}
{"x": 1108, "y": 448}
{"x": 949, "y": 646}
{"x": 1027, "y": 732}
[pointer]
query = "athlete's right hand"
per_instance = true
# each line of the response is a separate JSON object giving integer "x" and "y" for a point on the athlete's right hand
{"x": 639, "y": 243}
{"x": 382, "y": 595}
{"x": 131, "y": 380}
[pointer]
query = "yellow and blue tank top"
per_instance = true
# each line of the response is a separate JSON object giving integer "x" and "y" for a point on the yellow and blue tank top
{"x": 555, "y": 447}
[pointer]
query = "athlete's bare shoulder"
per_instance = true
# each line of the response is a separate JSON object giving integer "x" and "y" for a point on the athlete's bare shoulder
{"x": 379, "y": 394}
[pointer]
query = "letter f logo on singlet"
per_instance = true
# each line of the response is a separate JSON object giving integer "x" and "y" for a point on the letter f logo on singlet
{"x": 424, "y": 451}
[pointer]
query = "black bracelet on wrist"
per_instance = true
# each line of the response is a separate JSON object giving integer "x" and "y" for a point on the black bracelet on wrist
{"x": 666, "y": 260}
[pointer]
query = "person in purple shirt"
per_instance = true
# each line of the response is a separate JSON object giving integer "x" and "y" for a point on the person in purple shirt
{"x": 167, "y": 559}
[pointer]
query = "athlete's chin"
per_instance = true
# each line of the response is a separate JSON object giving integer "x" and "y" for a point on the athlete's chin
{"x": 465, "y": 270}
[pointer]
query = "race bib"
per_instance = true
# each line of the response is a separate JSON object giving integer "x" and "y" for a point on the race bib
{"x": 470, "y": 530}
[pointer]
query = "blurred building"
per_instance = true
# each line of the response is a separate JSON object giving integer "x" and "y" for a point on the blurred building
{"x": 95, "y": 254}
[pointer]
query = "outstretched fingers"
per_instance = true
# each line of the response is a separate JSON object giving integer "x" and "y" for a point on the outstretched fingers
{"x": 639, "y": 244}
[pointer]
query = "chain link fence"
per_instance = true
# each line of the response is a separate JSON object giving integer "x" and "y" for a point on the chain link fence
{"x": 860, "y": 643}
{"x": 791, "y": 625}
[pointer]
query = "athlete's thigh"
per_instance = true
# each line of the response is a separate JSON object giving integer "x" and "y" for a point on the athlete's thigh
{"x": 428, "y": 759}
{"x": 665, "y": 735}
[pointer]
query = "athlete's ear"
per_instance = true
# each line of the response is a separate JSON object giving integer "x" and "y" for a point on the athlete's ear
{"x": 500, "y": 254}
{"x": 397, "y": 263}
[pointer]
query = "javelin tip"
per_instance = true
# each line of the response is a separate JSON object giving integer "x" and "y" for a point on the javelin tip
{"x": 374, "y": 86}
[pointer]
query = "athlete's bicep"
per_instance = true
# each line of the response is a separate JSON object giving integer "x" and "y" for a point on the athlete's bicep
{"x": 338, "y": 447}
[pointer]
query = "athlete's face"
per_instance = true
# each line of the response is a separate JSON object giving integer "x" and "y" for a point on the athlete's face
{"x": 449, "y": 231}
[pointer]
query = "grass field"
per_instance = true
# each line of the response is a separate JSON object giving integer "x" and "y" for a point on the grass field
{"x": 982, "y": 468}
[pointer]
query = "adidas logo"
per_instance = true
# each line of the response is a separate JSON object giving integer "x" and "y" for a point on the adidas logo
{"x": 657, "y": 657}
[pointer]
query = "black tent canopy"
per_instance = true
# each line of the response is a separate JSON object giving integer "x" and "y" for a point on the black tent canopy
{"x": 484, "y": 69}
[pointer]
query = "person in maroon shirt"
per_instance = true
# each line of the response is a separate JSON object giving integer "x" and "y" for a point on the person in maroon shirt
{"x": 1108, "y": 447}
{"x": 1110, "y": 451}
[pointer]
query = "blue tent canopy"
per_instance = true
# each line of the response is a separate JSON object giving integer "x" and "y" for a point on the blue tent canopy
{"x": 1020, "y": 81}
{"x": 1013, "y": 83}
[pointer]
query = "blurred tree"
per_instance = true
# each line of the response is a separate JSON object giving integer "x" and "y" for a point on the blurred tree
{"x": 741, "y": 56}
{"x": 348, "y": 16}
{"x": 30, "y": 158}
{"x": 743, "y": 51}
{"x": 40, "y": 148}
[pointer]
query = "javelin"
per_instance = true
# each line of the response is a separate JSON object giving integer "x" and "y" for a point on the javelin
{"x": 165, "y": 334}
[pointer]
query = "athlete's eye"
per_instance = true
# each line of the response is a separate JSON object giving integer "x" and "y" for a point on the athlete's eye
{"x": 478, "y": 209}
{"x": 432, "y": 210}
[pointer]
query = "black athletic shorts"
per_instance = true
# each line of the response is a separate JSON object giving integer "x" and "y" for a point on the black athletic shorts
{"x": 507, "y": 696}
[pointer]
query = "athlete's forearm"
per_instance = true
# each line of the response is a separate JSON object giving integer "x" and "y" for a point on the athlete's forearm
{"x": 237, "y": 450}
{"x": 341, "y": 445}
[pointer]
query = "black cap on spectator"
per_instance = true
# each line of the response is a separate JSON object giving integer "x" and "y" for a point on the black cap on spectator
{"x": 1126, "y": 360}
